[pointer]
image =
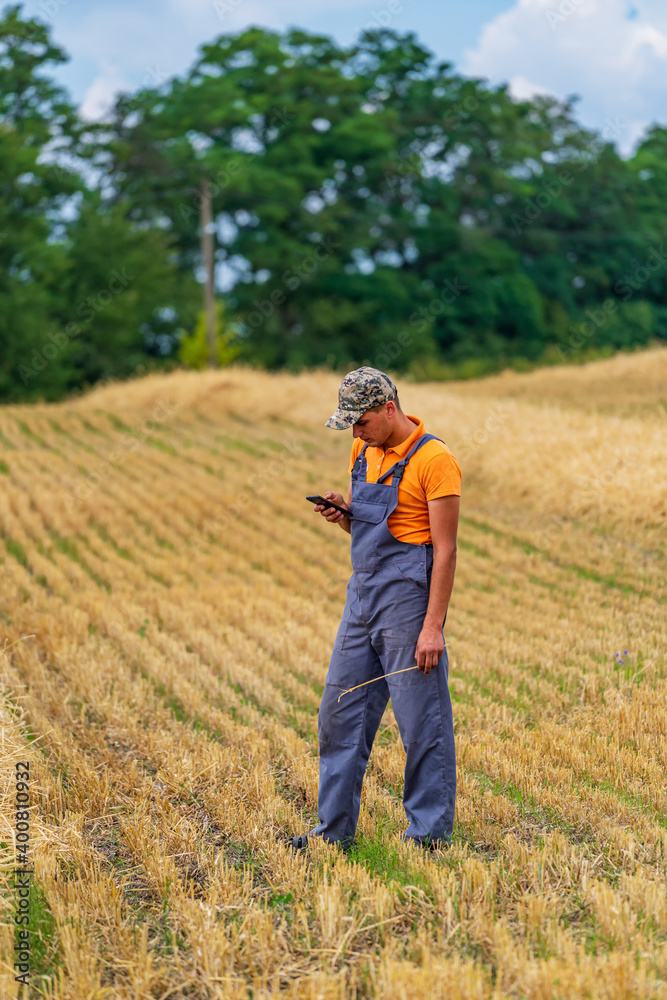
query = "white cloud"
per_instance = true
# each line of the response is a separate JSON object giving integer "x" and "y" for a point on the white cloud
{"x": 218, "y": 17}
{"x": 99, "y": 97}
{"x": 524, "y": 89}
{"x": 610, "y": 52}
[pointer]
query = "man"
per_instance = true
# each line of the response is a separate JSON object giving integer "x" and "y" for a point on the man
{"x": 403, "y": 500}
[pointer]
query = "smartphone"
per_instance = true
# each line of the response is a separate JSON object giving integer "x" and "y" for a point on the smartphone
{"x": 329, "y": 503}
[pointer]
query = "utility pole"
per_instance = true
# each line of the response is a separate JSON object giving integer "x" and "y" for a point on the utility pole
{"x": 206, "y": 225}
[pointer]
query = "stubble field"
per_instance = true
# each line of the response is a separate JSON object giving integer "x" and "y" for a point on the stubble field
{"x": 168, "y": 602}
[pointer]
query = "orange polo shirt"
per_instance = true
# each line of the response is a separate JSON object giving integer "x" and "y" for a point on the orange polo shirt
{"x": 432, "y": 472}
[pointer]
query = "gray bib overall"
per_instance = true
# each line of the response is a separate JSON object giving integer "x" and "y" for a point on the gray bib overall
{"x": 387, "y": 598}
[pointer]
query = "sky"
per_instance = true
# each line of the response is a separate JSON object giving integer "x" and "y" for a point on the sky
{"x": 612, "y": 53}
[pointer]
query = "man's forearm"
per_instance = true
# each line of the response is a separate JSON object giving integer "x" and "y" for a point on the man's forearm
{"x": 442, "y": 582}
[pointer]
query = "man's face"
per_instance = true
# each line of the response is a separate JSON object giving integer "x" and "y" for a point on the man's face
{"x": 374, "y": 428}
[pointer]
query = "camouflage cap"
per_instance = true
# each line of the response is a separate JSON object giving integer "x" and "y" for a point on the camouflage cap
{"x": 359, "y": 390}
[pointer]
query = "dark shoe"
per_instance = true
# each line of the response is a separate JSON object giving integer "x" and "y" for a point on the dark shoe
{"x": 300, "y": 843}
{"x": 296, "y": 843}
{"x": 430, "y": 845}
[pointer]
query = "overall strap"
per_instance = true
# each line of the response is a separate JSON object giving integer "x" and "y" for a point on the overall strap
{"x": 356, "y": 468}
{"x": 399, "y": 468}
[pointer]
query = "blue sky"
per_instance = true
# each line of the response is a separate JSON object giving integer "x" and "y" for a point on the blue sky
{"x": 613, "y": 53}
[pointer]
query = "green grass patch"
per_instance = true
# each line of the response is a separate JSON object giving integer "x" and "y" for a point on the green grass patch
{"x": 80, "y": 444}
{"x": 239, "y": 418}
{"x": 148, "y": 528}
{"x": 4, "y": 468}
{"x": 16, "y": 549}
{"x": 6, "y": 443}
{"x": 117, "y": 423}
{"x": 471, "y": 547}
{"x": 31, "y": 434}
{"x": 175, "y": 706}
{"x": 106, "y": 537}
{"x": 170, "y": 700}
{"x": 381, "y": 858}
{"x": 273, "y": 445}
{"x": 543, "y": 583}
{"x": 162, "y": 446}
{"x": 45, "y": 951}
{"x": 239, "y": 445}
{"x": 283, "y": 902}
{"x": 583, "y": 572}
{"x": 247, "y": 698}
{"x": 313, "y": 684}
{"x": 90, "y": 427}
{"x": 69, "y": 548}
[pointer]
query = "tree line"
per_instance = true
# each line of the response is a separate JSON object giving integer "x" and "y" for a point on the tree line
{"x": 370, "y": 205}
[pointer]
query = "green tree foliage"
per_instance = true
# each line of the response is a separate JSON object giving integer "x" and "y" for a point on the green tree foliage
{"x": 380, "y": 208}
{"x": 83, "y": 293}
{"x": 33, "y": 114}
{"x": 371, "y": 205}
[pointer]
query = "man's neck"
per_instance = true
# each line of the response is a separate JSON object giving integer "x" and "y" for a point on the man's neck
{"x": 400, "y": 433}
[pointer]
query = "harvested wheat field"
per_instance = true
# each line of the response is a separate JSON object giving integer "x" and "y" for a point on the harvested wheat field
{"x": 168, "y": 603}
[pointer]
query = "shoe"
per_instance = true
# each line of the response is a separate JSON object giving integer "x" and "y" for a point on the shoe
{"x": 296, "y": 843}
{"x": 430, "y": 845}
{"x": 300, "y": 843}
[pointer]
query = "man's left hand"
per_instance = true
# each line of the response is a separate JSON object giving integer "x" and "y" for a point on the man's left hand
{"x": 430, "y": 647}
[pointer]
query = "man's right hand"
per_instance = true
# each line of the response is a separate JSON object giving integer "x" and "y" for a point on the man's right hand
{"x": 330, "y": 513}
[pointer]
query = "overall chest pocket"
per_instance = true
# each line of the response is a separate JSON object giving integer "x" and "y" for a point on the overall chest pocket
{"x": 370, "y": 511}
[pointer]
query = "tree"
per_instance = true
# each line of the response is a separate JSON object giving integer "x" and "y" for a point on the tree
{"x": 34, "y": 116}
{"x": 124, "y": 297}
{"x": 85, "y": 293}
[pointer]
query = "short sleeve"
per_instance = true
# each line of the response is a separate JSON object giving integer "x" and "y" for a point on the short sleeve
{"x": 441, "y": 476}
